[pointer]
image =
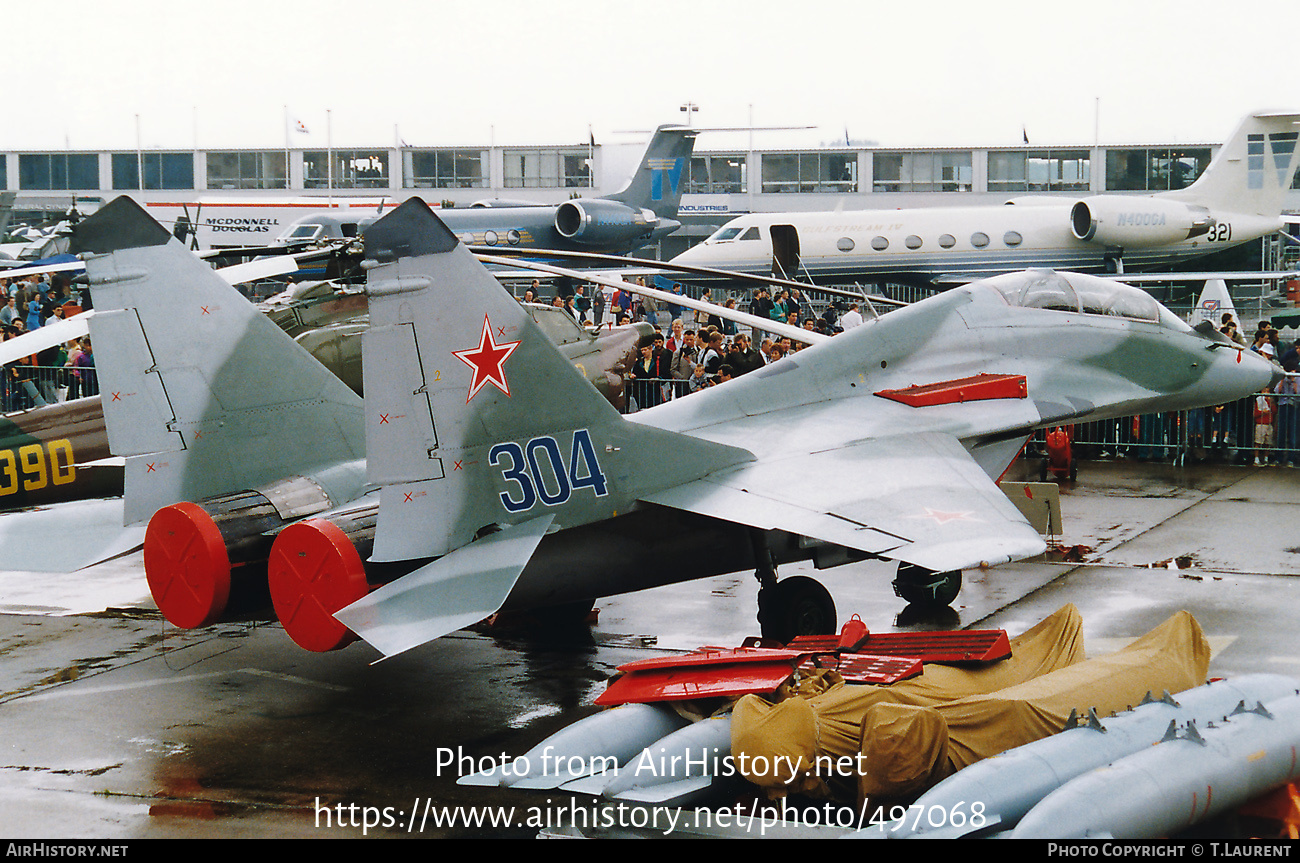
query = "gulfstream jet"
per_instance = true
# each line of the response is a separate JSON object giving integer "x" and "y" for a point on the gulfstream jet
{"x": 1238, "y": 198}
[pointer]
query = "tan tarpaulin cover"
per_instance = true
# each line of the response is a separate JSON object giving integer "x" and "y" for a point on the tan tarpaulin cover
{"x": 1174, "y": 656}
{"x": 776, "y": 746}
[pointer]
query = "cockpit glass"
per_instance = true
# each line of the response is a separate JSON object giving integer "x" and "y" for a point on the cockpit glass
{"x": 724, "y": 234}
{"x": 1117, "y": 300}
{"x": 1039, "y": 289}
{"x": 751, "y": 234}
{"x": 1047, "y": 289}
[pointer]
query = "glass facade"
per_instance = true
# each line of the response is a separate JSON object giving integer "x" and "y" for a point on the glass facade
{"x": 1040, "y": 171}
{"x": 717, "y": 175}
{"x": 161, "y": 170}
{"x": 58, "y": 171}
{"x": 923, "y": 172}
{"x": 444, "y": 169}
{"x": 1154, "y": 170}
{"x": 267, "y": 170}
{"x": 810, "y": 172}
{"x": 352, "y": 169}
{"x": 547, "y": 169}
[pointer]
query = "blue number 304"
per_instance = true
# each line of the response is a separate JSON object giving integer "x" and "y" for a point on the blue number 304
{"x": 538, "y": 470}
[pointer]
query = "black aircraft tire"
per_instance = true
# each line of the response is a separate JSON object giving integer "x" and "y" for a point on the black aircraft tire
{"x": 921, "y": 587}
{"x": 798, "y": 605}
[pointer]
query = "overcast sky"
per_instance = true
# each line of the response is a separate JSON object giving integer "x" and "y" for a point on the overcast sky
{"x": 220, "y": 73}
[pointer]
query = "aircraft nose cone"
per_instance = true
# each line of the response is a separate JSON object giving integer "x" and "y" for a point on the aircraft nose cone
{"x": 1278, "y": 377}
{"x": 1257, "y": 372}
{"x": 1232, "y": 375}
{"x": 684, "y": 257}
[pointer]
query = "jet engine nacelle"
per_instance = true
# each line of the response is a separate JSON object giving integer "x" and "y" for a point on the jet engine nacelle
{"x": 599, "y": 222}
{"x": 237, "y": 557}
{"x": 320, "y": 565}
{"x": 206, "y": 562}
{"x": 1135, "y": 223}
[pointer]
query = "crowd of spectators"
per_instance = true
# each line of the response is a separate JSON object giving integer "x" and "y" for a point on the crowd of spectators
{"x": 701, "y": 349}
{"x": 57, "y": 373}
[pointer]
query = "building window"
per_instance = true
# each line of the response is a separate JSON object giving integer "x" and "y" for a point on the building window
{"x": 810, "y": 172}
{"x": 247, "y": 171}
{"x": 1040, "y": 171}
{"x": 547, "y": 169}
{"x": 923, "y": 172}
{"x": 4, "y": 172}
{"x": 444, "y": 169}
{"x": 717, "y": 175}
{"x": 161, "y": 170}
{"x": 58, "y": 171}
{"x": 1154, "y": 170}
{"x": 352, "y": 169}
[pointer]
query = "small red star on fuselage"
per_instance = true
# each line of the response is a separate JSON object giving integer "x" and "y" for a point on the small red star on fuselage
{"x": 944, "y": 517}
{"x": 486, "y": 360}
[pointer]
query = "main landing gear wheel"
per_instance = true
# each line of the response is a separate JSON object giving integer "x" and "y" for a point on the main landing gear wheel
{"x": 798, "y": 605}
{"x": 922, "y": 587}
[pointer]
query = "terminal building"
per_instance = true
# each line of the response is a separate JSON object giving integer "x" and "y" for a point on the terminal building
{"x": 262, "y": 189}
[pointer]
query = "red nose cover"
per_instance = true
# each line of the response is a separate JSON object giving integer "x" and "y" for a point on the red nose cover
{"x": 314, "y": 570}
{"x": 186, "y": 565}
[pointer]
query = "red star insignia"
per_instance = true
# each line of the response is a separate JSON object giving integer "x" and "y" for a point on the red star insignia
{"x": 944, "y": 517}
{"x": 486, "y": 360}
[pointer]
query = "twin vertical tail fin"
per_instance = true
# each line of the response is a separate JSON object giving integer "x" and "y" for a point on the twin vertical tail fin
{"x": 474, "y": 419}
{"x": 1251, "y": 173}
{"x": 202, "y": 394}
{"x": 658, "y": 182}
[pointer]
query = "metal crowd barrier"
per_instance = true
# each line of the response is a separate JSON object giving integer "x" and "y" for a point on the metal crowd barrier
{"x": 1224, "y": 434}
{"x": 23, "y": 386}
{"x": 647, "y": 392}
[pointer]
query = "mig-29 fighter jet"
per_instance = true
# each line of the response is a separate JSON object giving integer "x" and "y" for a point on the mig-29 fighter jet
{"x": 505, "y": 481}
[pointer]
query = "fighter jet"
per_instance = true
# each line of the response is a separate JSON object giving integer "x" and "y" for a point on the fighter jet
{"x": 505, "y": 481}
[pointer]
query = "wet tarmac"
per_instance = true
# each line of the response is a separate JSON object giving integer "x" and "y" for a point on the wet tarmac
{"x": 114, "y": 724}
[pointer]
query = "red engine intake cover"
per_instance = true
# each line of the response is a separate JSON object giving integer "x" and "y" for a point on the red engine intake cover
{"x": 186, "y": 565}
{"x": 314, "y": 570}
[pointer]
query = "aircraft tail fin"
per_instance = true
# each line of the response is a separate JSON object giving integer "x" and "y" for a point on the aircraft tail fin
{"x": 1253, "y": 170}
{"x": 1215, "y": 302}
{"x": 202, "y": 393}
{"x": 474, "y": 420}
{"x": 658, "y": 182}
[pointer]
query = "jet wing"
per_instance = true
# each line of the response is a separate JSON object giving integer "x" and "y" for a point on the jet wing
{"x": 917, "y": 498}
{"x": 37, "y": 539}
